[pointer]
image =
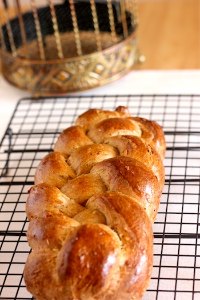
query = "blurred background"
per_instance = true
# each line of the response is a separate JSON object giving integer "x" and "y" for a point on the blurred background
{"x": 169, "y": 33}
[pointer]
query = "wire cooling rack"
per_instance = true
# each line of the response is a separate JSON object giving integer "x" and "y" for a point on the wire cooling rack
{"x": 31, "y": 134}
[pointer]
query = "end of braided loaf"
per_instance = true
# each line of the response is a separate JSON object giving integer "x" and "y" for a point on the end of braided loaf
{"x": 92, "y": 208}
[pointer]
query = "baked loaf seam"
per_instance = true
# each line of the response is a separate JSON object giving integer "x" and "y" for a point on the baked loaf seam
{"x": 92, "y": 208}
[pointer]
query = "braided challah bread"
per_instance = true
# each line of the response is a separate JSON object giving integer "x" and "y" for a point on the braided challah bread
{"x": 92, "y": 208}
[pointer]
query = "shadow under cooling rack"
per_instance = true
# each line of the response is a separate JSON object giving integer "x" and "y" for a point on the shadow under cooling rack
{"x": 31, "y": 134}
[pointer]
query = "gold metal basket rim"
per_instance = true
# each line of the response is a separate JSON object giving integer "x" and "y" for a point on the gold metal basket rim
{"x": 72, "y": 75}
{"x": 103, "y": 82}
{"x": 112, "y": 48}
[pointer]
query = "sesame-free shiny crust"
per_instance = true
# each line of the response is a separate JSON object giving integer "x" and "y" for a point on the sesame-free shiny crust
{"x": 92, "y": 208}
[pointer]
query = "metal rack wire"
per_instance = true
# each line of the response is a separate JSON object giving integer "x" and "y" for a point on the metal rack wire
{"x": 31, "y": 134}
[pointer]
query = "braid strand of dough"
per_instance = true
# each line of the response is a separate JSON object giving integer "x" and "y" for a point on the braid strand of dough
{"x": 92, "y": 208}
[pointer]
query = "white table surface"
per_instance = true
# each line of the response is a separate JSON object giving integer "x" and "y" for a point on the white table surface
{"x": 136, "y": 82}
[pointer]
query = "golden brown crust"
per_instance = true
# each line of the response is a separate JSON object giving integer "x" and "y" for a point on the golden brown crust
{"x": 92, "y": 209}
{"x": 135, "y": 147}
{"x": 132, "y": 178}
{"x": 84, "y": 158}
{"x": 40, "y": 275}
{"x": 94, "y": 116}
{"x": 83, "y": 187}
{"x": 131, "y": 223}
{"x": 101, "y": 262}
{"x": 112, "y": 127}
{"x": 44, "y": 198}
{"x": 152, "y": 133}
{"x": 74, "y": 137}
{"x": 94, "y": 259}
{"x": 50, "y": 231}
{"x": 54, "y": 170}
